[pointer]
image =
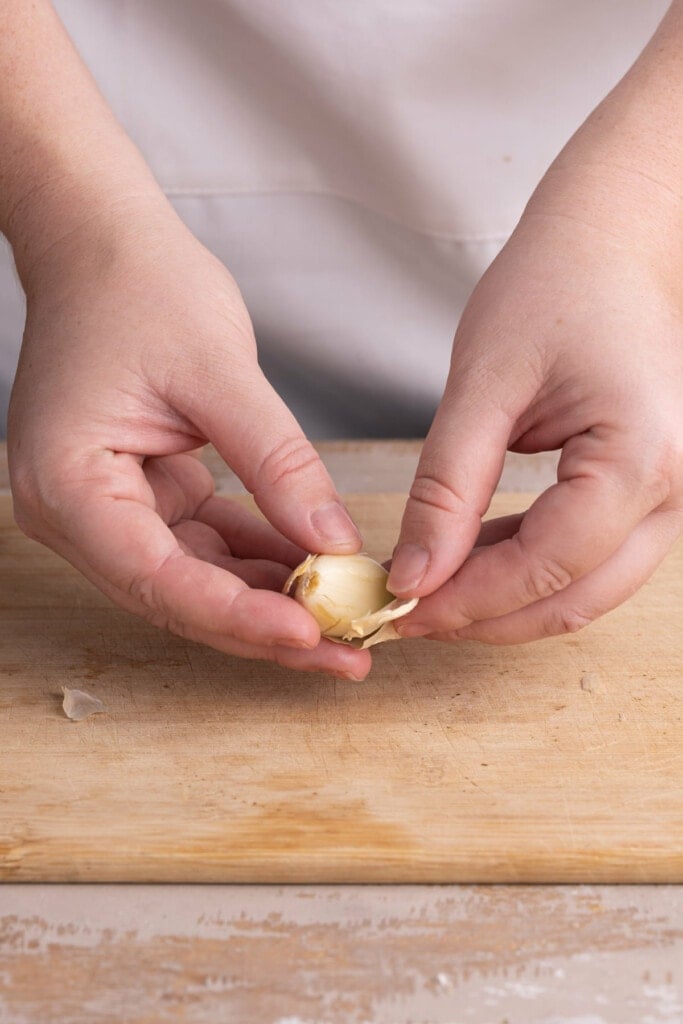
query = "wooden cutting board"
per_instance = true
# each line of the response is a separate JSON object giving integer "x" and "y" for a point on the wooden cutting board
{"x": 451, "y": 764}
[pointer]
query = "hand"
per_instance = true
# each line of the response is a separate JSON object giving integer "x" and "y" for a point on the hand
{"x": 571, "y": 340}
{"x": 137, "y": 350}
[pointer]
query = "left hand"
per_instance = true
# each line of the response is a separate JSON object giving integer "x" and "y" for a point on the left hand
{"x": 571, "y": 340}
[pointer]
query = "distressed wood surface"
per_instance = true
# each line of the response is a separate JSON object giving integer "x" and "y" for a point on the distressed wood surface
{"x": 458, "y": 763}
{"x": 343, "y": 955}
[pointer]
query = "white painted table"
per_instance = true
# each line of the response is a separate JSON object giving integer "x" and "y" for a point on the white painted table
{"x": 343, "y": 954}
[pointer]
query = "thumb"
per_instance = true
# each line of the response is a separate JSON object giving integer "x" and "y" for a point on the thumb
{"x": 458, "y": 471}
{"x": 259, "y": 438}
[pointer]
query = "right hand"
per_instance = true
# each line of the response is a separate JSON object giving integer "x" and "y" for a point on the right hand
{"x": 138, "y": 349}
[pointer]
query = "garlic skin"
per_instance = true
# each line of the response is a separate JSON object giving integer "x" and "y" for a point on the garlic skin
{"x": 348, "y": 598}
{"x": 78, "y": 704}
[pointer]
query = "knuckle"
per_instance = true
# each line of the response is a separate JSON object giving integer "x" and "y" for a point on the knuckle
{"x": 178, "y": 628}
{"x": 449, "y": 636}
{"x": 546, "y": 577}
{"x": 286, "y": 461}
{"x": 666, "y": 470}
{"x": 143, "y": 587}
{"x": 154, "y": 617}
{"x": 567, "y": 620}
{"x": 436, "y": 493}
{"x": 166, "y": 623}
{"x": 652, "y": 470}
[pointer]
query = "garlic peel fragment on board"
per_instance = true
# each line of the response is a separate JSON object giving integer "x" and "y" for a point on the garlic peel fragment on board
{"x": 347, "y": 596}
{"x": 78, "y": 704}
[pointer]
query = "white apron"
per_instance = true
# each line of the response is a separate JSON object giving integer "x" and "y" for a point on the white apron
{"x": 356, "y": 164}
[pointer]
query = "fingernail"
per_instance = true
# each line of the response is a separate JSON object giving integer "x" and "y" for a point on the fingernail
{"x": 295, "y": 641}
{"x": 334, "y": 525}
{"x": 349, "y": 677}
{"x": 412, "y": 629}
{"x": 408, "y": 568}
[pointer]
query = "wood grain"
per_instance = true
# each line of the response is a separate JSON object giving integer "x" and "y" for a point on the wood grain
{"x": 461, "y": 763}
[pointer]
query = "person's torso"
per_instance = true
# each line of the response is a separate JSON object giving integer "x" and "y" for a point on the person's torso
{"x": 356, "y": 165}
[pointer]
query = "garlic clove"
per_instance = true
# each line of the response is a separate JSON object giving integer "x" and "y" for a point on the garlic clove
{"x": 378, "y": 627}
{"x": 348, "y": 598}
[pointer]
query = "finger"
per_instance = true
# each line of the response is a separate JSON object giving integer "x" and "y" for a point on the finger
{"x": 183, "y": 488}
{"x": 119, "y": 535}
{"x": 491, "y": 532}
{"x": 245, "y": 535}
{"x": 593, "y": 595}
{"x": 495, "y": 530}
{"x": 337, "y": 660}
{"x": 334, "y": 659}
{"x": 200, "y": 540}
{"x": 203, "y": 542}
{"x": 570, "y": 529}
{"x": 180, "y": 484}
{"x": 459, "y": 468}
{"x": 262, "y": 442}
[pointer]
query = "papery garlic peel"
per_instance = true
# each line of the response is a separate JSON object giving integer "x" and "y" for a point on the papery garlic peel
{"x": 348, "y": 598}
